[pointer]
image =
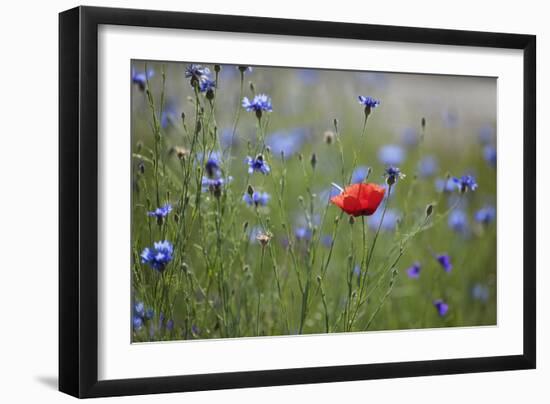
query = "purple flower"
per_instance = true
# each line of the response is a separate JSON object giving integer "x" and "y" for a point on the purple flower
{"x": 368, "y": 102}
{"x": 466, "y": 183}
{"x": 480, "y": 292}
{"x": 445, "y": 262}
{"x": 327, "y": 240}
{"x": 447, "y": 185}
{"x": 162, "y": 212}
{"x": 140, "y": 78}
{"x": 137, "y": 323}
{"x": 427, "y": 166}
{"x": 441, "y": 307}
{"x": 214, "y": 185}
{"x": 170, "y": 325}
{"x": 302, "y": 233}
{"x": 197, "y": 74}
{"x": 490, "y": 155}
{"x": 139, "y": 309}
{"x": 159, "y": 256}
{"x": 414, "y": 271}
{"x": 207, "y": 85}
{"x": 393, "y": 174}
{"x": 391, "y": 155}
{"x": 257, "y": 198}
{"x": 485, "y": 215}
{"x": 257, "y": 164}
{"x": 169, "y": 115}
{"x": 259, "y": 103}
{"x": 458, "y": 221}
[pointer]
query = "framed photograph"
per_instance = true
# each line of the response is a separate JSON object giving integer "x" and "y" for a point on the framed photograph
{"x": 251, "y": 201}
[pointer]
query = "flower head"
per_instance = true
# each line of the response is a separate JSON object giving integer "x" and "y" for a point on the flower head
{"x": 466, "y": 183}
{"x": 214, "y": 185}
{"x": 445, "y": 185}
{"x": 257, "y": 198}
{"x": 207, "y": 85}
{"x": 445, "y": 262}
{"x": 259, "y": 103}
{"x": 162, "y": 212}
{"x": 137, "y": 322}
{"x": 257, "y": 164}
{"x": 441, "y": 307}
{"x": 263, "y": 238}
{"x": 197, "y": 74}
{"x": 485, "y": 215}
{"x": 139, "y": 309}
{"x": 391, "y": 155}
{"x": 427, "y": 166}
{"x": 490, "y": 155}
{"x": 140, "y": 78}
{"x": 413, "y": 272}
{"x": 359, "y": 199}
{"x": 159, "y": 256}
{"x": 368, "y": 102}
{"x": 480, "y": 292}
{"x": 302, "y": 233}
{"x": 169, "y": 115}
{"x": 393, "y": 174}
{"x": 458, "y": 221}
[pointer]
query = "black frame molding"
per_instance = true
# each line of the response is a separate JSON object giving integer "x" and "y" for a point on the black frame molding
{"x": 78, "y": 203}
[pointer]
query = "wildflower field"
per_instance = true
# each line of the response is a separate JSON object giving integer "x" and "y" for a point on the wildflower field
{"x": 277, "y": 201}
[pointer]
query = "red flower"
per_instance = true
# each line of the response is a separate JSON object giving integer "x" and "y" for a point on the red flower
{"x": 360, "y": 199}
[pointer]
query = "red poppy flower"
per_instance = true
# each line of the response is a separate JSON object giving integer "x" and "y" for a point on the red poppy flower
{"x": 360, "y": 199}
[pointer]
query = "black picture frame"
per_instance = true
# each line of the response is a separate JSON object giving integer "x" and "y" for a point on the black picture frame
{"x": 78, "y": 201}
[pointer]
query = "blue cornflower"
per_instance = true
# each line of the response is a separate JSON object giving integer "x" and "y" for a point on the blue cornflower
{"x": 445, "y": 262}
{"x": 391, "y": 155}
{"x": 149, "y": 313}
{"x": 140, "y": 78}
{"x": 441, "y": 307}
{"x": 302, "y": 233}
{"x": 259, "y": 103}
{"x": 327, "y": 240}
{"x": 480, "y": 292}
{"x": 159, "y": 256}
{"x": 170, "y": 325}
{"x": 286, "y": 143}
{"x": 169, "y": 115}
{"x": 257, "y": 164}
{"x": 360, "y": 174}
{"x": 368, "y": 102}
{"x": 490, "y": 155}
{"x": 139, "y": 309}
{"x": 445, "y": 185}
{"x": 214, "y": 185}
{"x": 410, "y": 137}
{"x": 162, "y": 212}
{"x": 212, "y": 166}
{"x": 427, "y": 166}
{"x": 207, "y": 85}
{"x": 458, "y": 221}
{"x": 414, "y": 271}
{"x": 137, "y": 322}
{"x": 393, "y": 174}
{"x": 486, "y": 134}
{"x": 391, "y": 219}
{"x": 466, "y": 183}
{"x": 485, "y": 215}
{"x": 197, "y": 74}
{"x": 257, "y": 198}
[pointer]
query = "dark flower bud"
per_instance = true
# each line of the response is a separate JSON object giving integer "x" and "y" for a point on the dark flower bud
{"x": 313, "y": 160}
{"x": 423, "y": 123}
{"x": 139, "y": 146}
{"x": 259, "y": 114}
{"x": 335, "y": 122}
{"x": 328, "y": 137}
{"x": 429, "y": 210}
{"x": 243, "y": 69}
{"x": 141, "y": 167}
{"x": 245, "y": 226}
{"x": 217, "y": 68}
{"x": 183, "y": 117}
{"x": 210, "y": 95}
{"x": 352, "y": 220}
{"x": 250, "y": 190}
{"x": 252, "y": 88}
{"x": 176, "y": 217}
